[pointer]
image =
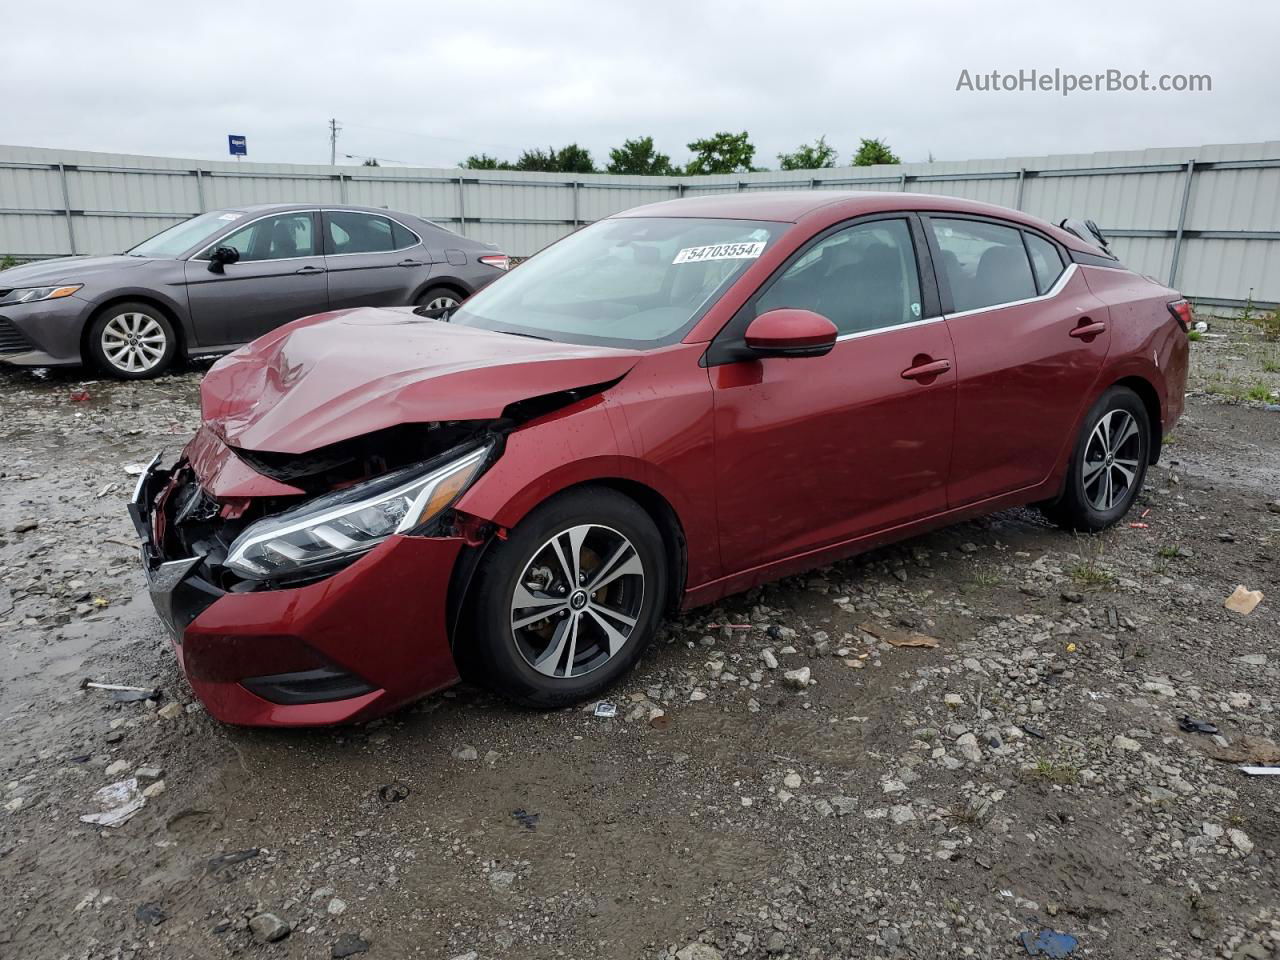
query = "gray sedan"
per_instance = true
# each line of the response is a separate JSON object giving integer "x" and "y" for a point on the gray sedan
{"x": 221, "y": 279}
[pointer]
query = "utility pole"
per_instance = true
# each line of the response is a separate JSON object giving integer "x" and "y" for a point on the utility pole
{"x": 334, "y": 129}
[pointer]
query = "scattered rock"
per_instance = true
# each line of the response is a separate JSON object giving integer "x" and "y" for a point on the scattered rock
{"x": 348, "y": 945}
{"x": 465, "y": 752}
{"x": 698, "y": 951}
{"x": 798, "y": 678}
{"x": 1121, "y": 742}
{"x": 268, "y": 928}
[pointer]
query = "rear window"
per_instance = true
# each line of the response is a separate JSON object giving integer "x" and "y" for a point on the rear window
{"x": 985, "y": 264}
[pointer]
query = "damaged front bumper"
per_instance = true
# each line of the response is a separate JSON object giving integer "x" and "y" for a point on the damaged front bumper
{"x": 348, "y": 647}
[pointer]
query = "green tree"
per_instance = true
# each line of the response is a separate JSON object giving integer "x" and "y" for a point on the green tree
{"x": 482, "y": 161}
{"x": 570, "y": 159}
{"x": 721, "y": 153}
{"x": 638, "y": 157}
{"x": 820, "y": 154}
{"x": 370, "y": 162}
{"x": 872, "y": 152}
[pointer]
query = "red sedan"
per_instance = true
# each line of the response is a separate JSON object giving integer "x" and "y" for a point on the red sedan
{"x": 669, "y": 406}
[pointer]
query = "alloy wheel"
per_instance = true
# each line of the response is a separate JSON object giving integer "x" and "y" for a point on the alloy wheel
{"x": 1110, "y": 465}
{"x": 441, "y": 303}
{"x": 133, "y": 342}
{"x": 577, "y": 601}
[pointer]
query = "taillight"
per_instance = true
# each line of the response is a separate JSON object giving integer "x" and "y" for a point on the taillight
{"x": 1181, "y": 311}
{"x": 498, "y": 261}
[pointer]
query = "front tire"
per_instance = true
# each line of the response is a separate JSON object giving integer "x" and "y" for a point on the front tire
{"x": 132, "y": 341}
{"x": 1108, "y": 465}
{"x": 564, "y": 607}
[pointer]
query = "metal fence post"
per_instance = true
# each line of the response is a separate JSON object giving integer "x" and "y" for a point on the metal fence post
{"x": 462, "y": 208}
{"x": 1022, "y": 182}
{"x": 902, "y": 182}
{"x": 66, "y": 207}
{"x": 1182, "y": 221}
{"x": 200, "y": 190}
{"x": 577, "y": 220}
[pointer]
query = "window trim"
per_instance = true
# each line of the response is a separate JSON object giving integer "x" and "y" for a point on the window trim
{"x": 729, "y": 344}
{"x": 311, "y": 211}
{"x": 944, "y": 285}
{"x": 324, "y": 237}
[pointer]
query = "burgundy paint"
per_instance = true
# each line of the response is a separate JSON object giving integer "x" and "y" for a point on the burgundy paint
{"x": 770, "y": 466}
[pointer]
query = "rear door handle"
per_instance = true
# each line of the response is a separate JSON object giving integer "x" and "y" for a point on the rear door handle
{"x": 411, "y": 263}
{"x": 309, "y": 269}
{"x": 926, "y": 371}
{"x": 1088, "y": 328}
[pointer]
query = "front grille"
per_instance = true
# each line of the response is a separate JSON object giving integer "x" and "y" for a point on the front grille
{"x": 13, "y": 340}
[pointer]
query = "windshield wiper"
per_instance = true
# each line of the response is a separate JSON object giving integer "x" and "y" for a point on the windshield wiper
{"x": 531, "y": 336}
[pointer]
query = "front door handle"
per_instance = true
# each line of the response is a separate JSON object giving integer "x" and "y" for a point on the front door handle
{"x": 411, "y": 263}
{"x": 1088, "y": 328}
{"x": 926, "y": 370}
{"x": 309, "y": 269}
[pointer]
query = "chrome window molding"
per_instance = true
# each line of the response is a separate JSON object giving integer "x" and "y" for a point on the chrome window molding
{"x": 858, "y": 334}
{"x": 368, "y": 213}
{"x": 201, "y": 256}
{"x": 1063, "y": 279}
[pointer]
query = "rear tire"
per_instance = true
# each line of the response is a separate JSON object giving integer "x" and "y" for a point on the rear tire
{"x": 439, "y": 298}
{"x": 1108, "y": 464}
{"x": 132, "y": 341}
{"x": 541, "y": 636}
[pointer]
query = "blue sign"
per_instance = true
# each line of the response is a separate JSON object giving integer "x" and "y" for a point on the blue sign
{"x": 238, "y": 146}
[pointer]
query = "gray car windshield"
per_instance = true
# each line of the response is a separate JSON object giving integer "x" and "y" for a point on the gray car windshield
{"x": 181, "y": 237}
{"x": 630, "y": 282}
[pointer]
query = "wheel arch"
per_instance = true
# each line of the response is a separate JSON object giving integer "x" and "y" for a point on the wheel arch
{"x": 1146, "y": 392}
{"x": 170, "y": 314}
{"x": 650, "y": 500}
{"x": 448, "y": 283}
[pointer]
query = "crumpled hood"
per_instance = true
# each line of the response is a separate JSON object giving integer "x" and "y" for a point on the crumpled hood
{"x": 63, "y": 270}
{"x": 338, "y": 375}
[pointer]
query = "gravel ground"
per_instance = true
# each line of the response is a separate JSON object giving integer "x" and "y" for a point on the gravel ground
{"x": 779, "y": 780}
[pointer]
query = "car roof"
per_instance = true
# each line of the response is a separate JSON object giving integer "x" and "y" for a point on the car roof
{"x": 792, "y": 206}
{"x": 284, "y": 207}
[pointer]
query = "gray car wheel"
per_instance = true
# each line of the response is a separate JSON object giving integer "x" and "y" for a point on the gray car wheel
{"x": 133, "y": 341}
{"x": 439, "y": 298}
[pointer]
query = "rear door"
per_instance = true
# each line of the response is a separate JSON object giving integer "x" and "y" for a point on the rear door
{"x": 1029, "y": 341}
{"x": 819, "y": 450}
{"x": 373, "y": 261}
{"x": 279, "y": 277}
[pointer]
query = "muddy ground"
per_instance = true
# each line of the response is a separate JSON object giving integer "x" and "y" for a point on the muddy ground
{"x": 1028, "y": 772}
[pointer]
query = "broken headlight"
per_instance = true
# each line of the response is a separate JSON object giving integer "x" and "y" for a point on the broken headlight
{"x": 336, "y": 528}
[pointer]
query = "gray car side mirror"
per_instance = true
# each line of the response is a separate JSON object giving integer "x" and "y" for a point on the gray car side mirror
{"x": 219, "y": 256}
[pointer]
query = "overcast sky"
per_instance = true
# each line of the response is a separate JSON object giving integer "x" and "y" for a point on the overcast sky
{"x": 428, "y": 82}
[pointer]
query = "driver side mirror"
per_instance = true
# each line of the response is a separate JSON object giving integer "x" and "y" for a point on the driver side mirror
{"x": 220, "y": 256}
{"x": 789, "y": 332}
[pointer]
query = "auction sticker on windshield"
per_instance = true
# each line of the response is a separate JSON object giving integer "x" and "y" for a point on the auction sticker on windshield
{"x": 721, "y": 251}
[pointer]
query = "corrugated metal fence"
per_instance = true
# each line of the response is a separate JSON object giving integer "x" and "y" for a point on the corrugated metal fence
{"x": 1205, "y": 219}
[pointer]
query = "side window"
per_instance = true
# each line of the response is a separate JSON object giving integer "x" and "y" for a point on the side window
{"x": 861, "y": 278}
{"x": 349, "y": 232}
{"x": 985, "y": 264}
{"x": 402, "y": 237}
{"x": 1046, "y": 262}
{"x": 281, "y": 237}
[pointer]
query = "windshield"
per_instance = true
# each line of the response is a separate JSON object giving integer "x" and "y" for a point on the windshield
{"x": 630, "y": 282}
{"x": 181, "y": 237}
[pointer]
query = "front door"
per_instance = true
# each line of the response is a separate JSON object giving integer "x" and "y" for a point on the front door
{"x": 279, "y": 277}
{"x": 816, "y": 451}
{"x": 1029, "y": 341}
